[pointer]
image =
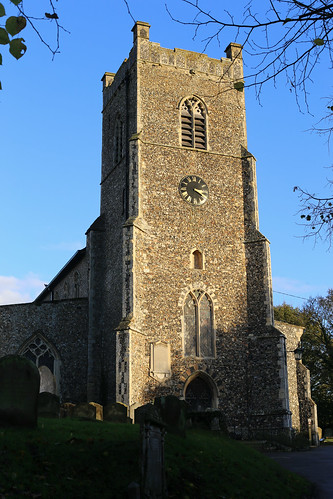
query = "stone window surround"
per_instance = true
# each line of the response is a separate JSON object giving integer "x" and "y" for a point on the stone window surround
{"x": 32, "y": 339}
{"x": 180, "y": 104}
{"x": 197, "y": 332}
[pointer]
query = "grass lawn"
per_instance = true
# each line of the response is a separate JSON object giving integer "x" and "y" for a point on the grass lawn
{"x": 75, "y": 459}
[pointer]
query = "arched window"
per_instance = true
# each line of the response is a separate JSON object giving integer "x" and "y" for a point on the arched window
{"x": 198, "y": 325}
{"x": 193, "y": 123}
{"x": 118, "y": 141}
{"x": 199, "y": 394}
{"x": 43, "y": 355}
{"x": 196, "y": 259}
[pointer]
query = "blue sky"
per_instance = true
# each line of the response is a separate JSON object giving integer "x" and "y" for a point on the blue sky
{"x": 50, "y": 131}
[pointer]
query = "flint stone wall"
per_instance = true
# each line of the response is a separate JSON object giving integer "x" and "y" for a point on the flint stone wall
{"x": 64, "y": 325}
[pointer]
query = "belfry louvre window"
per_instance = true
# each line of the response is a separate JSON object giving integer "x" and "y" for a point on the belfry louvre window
{"x": 193, "y": 123}
{"x": 198, "y": 325}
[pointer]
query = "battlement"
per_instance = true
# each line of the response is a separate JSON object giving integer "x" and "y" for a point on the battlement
{"x": 228, "y": 69}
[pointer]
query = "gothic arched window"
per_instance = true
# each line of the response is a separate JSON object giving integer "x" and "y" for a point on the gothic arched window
{"x": 198, "y": 325}
{"x": 193, "y": 123}
{"x": 42, "y": 354}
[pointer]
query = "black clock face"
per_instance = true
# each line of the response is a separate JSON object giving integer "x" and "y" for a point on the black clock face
{"x": 193, "y": 190}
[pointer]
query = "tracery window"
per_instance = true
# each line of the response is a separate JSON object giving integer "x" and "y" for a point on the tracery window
{"x": 193, "y": 123}
{"x": 42, "y": 355}
{"x": 198, "y": 325}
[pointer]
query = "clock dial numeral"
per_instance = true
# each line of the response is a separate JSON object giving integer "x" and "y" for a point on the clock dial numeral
{"x": 193, "y": 190}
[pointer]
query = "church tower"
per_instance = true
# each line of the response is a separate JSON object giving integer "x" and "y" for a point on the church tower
{"x": 180, "y": 280}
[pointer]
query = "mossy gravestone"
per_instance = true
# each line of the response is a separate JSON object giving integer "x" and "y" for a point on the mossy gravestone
{"x": 19, "y": 388}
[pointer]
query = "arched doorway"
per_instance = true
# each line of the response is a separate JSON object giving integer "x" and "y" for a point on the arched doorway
{"x": 199, "y": 394}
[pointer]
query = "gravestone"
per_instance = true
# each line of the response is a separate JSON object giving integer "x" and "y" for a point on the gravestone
{"x": 84, "y": 411}
{"x": 152, "y": 466}
{"x": 66, "y": 410}
{"x": 47, "y": 380}
{"x": 48, "y": 405}
{"x": 209, "y": 420}
{"x": 116, "y": 413}
{"x": 99, "y": 410}
{"x": 145, "y": 413}
{"x": 19, "y": 388}
{"x": 173, "y": 413}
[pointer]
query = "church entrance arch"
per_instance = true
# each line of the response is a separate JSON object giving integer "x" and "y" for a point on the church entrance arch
{"x": 200, "y": 392}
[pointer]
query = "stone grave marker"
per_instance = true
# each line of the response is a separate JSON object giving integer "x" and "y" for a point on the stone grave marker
{"x": 48, "y": 405}
{"x": 116, "y": 413}
{"x": 173, "y": 413}
{"x": 147, "y": 412}
{"x": 84, "y": 411}
{"x": 153, "y": 467}
{"x": 99, "y": 410}
{"x": 66, "y": 410}
{"x": 19, "y": 388}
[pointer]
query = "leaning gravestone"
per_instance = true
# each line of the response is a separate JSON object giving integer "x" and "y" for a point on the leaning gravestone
{"x": 48, "y": 405}
{"x": 19, "y": 388}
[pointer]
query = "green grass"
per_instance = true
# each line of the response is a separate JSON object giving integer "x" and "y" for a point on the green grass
{"x": 76, "y": 459}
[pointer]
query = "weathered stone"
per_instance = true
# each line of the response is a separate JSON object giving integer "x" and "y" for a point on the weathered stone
{"x": 84, "y": 411}
{"x": 173, "y": 292}
{"x": 48, "y": 405}
{"x": 153, "y": 467}
{"x": 19, "y": 388}
{"x": 99, "y": 410}
{"x": 116, "y": 413}
{"x": 147, "y": 413}
{"x": 66, "y": 410}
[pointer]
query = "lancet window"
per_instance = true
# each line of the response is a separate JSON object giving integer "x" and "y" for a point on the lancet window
{"x": 193, "y": 123}
{"x": 118, "y": 141}
{"x": 199, "y": 338}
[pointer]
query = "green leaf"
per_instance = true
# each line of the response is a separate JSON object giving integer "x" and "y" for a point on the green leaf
{"x": 0, "y": 59}
{"x": 15, "y": 24}
{"x": 318, "y": 41}
{"x": 17, "y": 48}
{"x": 287, "y": 20}
{"x": 4, "y": 38}
{"x": 16, "y": 2}
{"x": 0, "y": 86}
{"x": 239, "y": 85}
{"x": 2, "y": 10}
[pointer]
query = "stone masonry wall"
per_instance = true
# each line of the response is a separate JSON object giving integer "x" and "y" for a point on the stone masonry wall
{"x": 64, "y": 325}
{"x": 162, "y": 230}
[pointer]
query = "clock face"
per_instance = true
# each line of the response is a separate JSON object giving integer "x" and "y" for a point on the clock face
{"x": 193, "y": 190}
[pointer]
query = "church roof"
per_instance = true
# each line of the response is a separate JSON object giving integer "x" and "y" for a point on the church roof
{"x": 76, "y": 258}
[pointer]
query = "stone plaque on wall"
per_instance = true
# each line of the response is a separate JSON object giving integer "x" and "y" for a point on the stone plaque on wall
{"x": 160, "y": 365}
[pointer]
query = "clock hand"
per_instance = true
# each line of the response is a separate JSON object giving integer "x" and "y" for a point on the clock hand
{"x": 199, "y": 191}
